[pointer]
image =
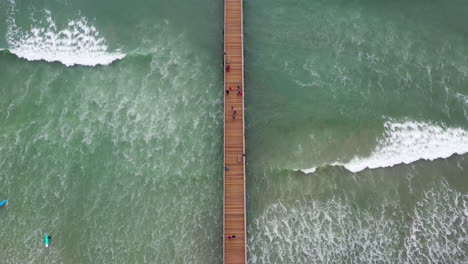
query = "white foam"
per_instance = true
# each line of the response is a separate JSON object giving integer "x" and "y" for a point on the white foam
{"x": 438, "y": 228}
{"x": 310, "y": 170}
{"x": 463, "y": 98}
{"x": 78, "y": 42}
{"x": 338, "y": 231}
{"x": 407, "y": 142}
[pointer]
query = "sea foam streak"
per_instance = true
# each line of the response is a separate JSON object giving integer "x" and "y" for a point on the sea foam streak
{"x": 463, "y": 98}
{"x": 77, "y": 43}
{"x": 338, "y": 231}
{"x": 407, "y": 142}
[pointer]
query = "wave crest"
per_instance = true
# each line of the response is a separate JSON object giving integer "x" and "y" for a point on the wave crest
{"x": 78, "y": 43}
{"x": 407, "y": 142}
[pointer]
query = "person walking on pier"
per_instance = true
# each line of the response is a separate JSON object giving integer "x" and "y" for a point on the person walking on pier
{"x": 234, "y": 112}
{"x": 239, "y": 90}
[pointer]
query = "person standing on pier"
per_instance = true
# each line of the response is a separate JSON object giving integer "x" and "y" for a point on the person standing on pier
{"x": 239, "y": 90}
{"x": 228, "y": 66}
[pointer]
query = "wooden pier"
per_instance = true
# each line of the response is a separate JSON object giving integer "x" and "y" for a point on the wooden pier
{"x": 235, "y": 235}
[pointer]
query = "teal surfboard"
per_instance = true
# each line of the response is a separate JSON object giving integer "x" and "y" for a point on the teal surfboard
{"x": 46, "y": 240}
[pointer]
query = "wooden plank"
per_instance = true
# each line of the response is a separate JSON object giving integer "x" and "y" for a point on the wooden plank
{"x": 234, "y": 249}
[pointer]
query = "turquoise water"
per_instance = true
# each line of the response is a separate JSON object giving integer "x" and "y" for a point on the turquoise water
{"x": 339, "y": 87}
{"x": 118, "y": 163}
{"x": 111, "y": 131}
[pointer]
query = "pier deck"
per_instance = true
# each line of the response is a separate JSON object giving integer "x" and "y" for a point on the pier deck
{"x": 234, "y": 139}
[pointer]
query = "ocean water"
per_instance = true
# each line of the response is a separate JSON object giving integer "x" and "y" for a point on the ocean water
{"x": 357, "y": 131}
{"x": 111, "y": 131}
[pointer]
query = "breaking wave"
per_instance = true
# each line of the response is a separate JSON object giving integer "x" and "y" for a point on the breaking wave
{"x": 77, "y": 43}
{"x": 407, "y": 142}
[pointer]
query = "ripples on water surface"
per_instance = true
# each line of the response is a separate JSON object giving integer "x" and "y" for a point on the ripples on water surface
{"x": 121, "y": 162}
{"x": 339, "y": 87}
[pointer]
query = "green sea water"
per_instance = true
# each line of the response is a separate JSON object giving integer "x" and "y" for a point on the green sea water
{"x": 119, "y": 163}
{"x": 336, "y": 88}
{"x": 111, "y": 131}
